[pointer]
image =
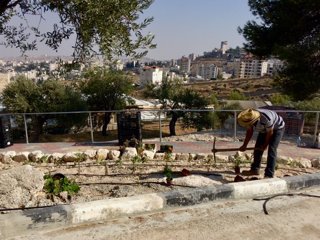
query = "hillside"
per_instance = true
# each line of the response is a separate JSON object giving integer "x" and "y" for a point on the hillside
{"x": 253, "y": 89}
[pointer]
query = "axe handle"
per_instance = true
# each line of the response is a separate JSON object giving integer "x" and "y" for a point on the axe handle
{"x": 230, "y": 149}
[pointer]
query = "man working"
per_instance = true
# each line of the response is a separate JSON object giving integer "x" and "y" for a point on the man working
{"x": 270, "y": 127}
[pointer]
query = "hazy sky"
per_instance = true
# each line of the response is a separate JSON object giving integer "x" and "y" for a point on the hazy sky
{"x": 181, "y": 27}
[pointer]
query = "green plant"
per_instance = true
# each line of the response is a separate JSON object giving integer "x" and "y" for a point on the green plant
{"x": 167, "y": 157}
{"x": 44, "y": 159}
{"x": 80, "y": 157}
{"x": 149, "y": 146}
{"x": 55, "y": 186}
{"x": 167, "y": 171}
{"x": 237, "y": 161}
{"x": 137, "y": 159}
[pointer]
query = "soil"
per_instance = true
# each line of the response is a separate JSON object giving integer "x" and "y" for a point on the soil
{"x": 114, "y": 179}
{"x": 123, "y": 178}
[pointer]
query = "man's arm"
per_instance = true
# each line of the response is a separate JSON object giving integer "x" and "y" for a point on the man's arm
{"x": 249, "y": 134}
{"x": 269, "y": 133}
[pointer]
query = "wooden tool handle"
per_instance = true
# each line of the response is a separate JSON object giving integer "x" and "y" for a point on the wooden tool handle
{"x": 230, "y": 149}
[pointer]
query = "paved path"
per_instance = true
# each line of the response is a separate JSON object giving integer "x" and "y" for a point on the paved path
{"x": 286, "y": 149}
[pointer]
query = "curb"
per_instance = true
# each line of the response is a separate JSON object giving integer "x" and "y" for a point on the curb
{"x": 21, "y": 221}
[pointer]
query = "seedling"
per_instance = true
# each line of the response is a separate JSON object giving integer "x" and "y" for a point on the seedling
{"x": 167, "y": 171}
{"x": 55, "y": 185}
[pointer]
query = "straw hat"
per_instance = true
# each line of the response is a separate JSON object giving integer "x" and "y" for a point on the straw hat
{"x": 248, "y": 117}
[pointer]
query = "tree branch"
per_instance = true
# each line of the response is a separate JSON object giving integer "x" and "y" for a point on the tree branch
{"x": 5, "y": 4}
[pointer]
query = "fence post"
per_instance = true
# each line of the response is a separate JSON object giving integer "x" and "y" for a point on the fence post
{"x": 235, "y": 126}
{"x": 160, "y": 129}
{"x": 316, "y": 129}
{"x": 91, "y": 127}
{"x": 26, "y": 128}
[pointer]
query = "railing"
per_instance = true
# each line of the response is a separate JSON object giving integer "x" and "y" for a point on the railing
{"x": 86, "y": 125}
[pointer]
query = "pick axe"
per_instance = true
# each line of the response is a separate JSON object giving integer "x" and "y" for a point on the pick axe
{"x": 214, "y": 149}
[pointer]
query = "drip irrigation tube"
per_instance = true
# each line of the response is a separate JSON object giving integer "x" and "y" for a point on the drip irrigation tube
{"x": 266, "y": 200}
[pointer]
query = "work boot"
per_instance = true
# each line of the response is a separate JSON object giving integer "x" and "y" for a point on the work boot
{"x": 250, "y": 172}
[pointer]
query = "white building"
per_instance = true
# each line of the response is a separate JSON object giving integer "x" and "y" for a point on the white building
{"x": 151, "y": 75}
{"x": 224, "y": 47}
{"x": 253, "y": 68}
{"x": 274, "y": 65}
{"x": 207, "y": 71}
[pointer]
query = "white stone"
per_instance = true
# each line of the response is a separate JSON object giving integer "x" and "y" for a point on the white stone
{"x": 222, "y": 158}
{"x": 182, "y": 156}
{"x": 129, "y": 153}
{"x": 210, "y": 156}
{"x": 305, "y": 163}
{"x": 21, "y": 157}
{"x": 149, "y": 154}
{"x": 70, "y": 157}
{"x": 55, "y": 157}
{"x": 90, "y": 153}
{"x": 315, "y": 163}
{"x": 159, "y": 156}
{"x": 201, "y": 156}
{"x": 5, "y": 158}
{"x": 19, "y": 185}
{"x": 10, "y": 153}
{"x": 35, "y": 156}
{"x": 113, "y": 154}
{"x": 285, "y": 160}
{"x": 192, "y": 156}
{"x": 195, "y": 181}
{"x": 102, "y": 154}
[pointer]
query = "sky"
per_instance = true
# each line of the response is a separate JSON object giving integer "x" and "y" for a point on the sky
{"x": 180, "y": 27}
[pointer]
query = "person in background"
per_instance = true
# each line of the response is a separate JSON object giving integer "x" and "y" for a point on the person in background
{"x": 270, "y": 128}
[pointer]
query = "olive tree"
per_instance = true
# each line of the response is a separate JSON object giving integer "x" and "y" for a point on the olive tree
{"x": 26, "y": 96}
{"x": 107, "y": 27}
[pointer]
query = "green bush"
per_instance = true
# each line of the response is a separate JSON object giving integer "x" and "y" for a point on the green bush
{"x": 55, "y": 186}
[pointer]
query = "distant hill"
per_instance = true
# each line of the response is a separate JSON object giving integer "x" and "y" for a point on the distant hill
{"x": 253, "y": 89}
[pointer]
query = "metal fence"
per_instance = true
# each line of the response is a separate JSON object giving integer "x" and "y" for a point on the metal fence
{"x": 86, "y": 126}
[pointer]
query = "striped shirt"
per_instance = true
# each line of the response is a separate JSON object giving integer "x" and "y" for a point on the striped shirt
{"x": 268, "y": 119}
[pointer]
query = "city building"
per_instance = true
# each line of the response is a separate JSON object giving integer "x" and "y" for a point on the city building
{"x": 208, "y": 69}
{"x": 184, "y": 64}
{"x": 252, "y": 68}
{"x": 151, "y": 75}
{"x": 224, "y": 47}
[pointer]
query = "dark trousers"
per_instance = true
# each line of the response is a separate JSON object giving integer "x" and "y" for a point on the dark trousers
{"x": 272, "y": 152}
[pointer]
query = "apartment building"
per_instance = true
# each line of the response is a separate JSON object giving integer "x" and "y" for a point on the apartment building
{"x": 207, "y": 68}
{"x": 184, "y": 64}
{"x": 274, "y": 65}
{"x": 151, "y": 75}
{"x": 252, "y": 68}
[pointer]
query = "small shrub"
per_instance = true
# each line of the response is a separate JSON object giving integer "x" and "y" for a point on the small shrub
{"x": 55, "y": 186}
{"x": 167, "y": 171}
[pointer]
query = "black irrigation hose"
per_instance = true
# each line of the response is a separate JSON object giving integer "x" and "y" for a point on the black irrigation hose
{"x": 4, "y": 210}
{"x": 266, "y": 200}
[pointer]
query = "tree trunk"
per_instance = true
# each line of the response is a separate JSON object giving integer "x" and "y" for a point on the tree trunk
{"x": 172, "y": 124}
{"x": 106, "y": 121}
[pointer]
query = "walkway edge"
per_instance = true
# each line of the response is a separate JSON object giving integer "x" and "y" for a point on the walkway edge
{"x": 22, "y": 221}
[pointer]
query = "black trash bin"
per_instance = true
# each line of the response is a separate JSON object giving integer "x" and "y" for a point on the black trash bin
{"x": 129, "y": 126}
{"x": 5, "y": 132}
